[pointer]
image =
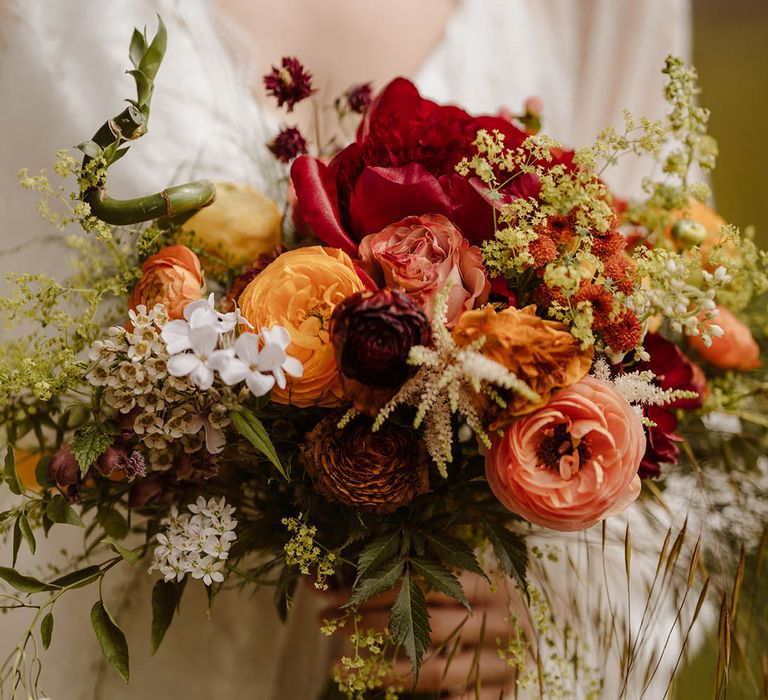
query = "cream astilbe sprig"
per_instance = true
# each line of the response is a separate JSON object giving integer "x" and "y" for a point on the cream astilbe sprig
{"x": 639, "y": 389}
{"x": 447, "y": 382}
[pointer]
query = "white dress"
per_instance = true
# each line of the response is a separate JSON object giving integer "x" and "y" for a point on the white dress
{"x": 60, "y": 77}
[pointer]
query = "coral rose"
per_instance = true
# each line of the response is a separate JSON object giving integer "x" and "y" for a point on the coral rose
{"x": 541, "y": 353}
{"x": 299, "y": 291}
{"x": 237, "y": 228}
{"x": 419, "y": 255}
{"x": 573, "y": 462}
{"x": 172, "y": 277}
{"x": 378, "y": 471}
{"x": 735, "y": 349}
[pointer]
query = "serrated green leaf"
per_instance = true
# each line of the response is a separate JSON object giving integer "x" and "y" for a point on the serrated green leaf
{"x": 46, "y": 630}
{"x": 376, "y": 582}
{"x": 138, "y": 48}
{"x": 59, "y": 511}
{"x": 409, "y": 622}
{"x": 90, "y": 442}
{"x": 26, "y": 532}
{"x": 511, "y": 552}
{"x": 438, "y": 578}
{"x": 25, "y": 584}
{"x": 253, "y": 430}
{"x": 377, "y": 551}
{"x": 165, "y": 602}
{"x": 90, "y": 148}
{"x": 79, "y": 578}
{"x": 153, "y": 56}
{"x": 111, "y": 639}
{"x": 11, "y": 477}
{"x": 454, "y": 553}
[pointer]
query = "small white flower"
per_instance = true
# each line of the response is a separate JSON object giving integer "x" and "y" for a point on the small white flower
{"x": 197, "y": 364}
{"x": 249, "y": 364}
{"x": 276, "y": 340}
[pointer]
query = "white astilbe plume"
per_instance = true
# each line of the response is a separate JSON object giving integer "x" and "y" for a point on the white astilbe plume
{"x": 448, "y": 381}
{"x": 638, "y": 388}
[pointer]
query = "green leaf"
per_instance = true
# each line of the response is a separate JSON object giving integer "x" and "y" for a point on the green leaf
{"x": 376, "y": 582}
{"x": 454, "y": 553}
{"x": 511, "y": 552}
{"x": 25, "y": 584}
{"x": 11, "y": 477}
{"x": 90, "y": 148}
{"x": 153, "y": 56}
{"x": 143, "y": 86}
{"x": 59, "y": 511}
{"x": 138, "y": 47}
{"x": 438, "y": 578}
{"x": 119, "y": 153}
{"x": 114, "y": 523}
{"x": 46, "y": 630}
{"x": 165, "y": 602}
{"x": 409, "y": 622}
{"x": 90, "y": 442}
{"x": 111, "y": 639}
{"x": 376, "y": 552}
{"x": 130, "y": 555}
{"x": 79, "y": 578}
{"x": 16, "y": 544}
{"x": 41, "y": 472}
{"x": 26, "y": 532}
{"x": 253, "y": 430}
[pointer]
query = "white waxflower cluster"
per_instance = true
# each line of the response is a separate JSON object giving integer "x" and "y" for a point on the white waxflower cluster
{"x": 204, "y": 343}
{"x": 679, "y": 290}
{"x": 167, "y": 411}
{"x": 195, "y": 543}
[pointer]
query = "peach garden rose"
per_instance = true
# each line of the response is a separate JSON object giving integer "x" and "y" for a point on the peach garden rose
{"x": 299, "y": 291}
{"x": 419, "y": 255}
{"x": 573, "y": 462}
{"x": 172, "y": 277}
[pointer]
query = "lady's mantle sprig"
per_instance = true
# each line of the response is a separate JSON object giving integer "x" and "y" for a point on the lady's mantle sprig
{"x": 195, "y": 543}
{"x": 204, "y": 343}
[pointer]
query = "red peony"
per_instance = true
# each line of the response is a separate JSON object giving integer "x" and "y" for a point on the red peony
{"x": 403, "y": 164}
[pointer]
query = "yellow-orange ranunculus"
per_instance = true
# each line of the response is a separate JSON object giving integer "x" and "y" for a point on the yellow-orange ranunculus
{"x": 735, "y": 349}
{"x": 541, "y": 353}
{"x": 172, "y": 277}
{"x": 299, "y": 291}
{"x": 240, "y": 225}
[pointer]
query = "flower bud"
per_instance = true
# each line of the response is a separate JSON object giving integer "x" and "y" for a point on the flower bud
{"x": 688, "y": 232}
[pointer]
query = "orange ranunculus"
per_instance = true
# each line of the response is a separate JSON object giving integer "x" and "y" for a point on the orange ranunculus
{"x": 299, "y": 291}
{"x": 735, "y": 349}
{"x": 172, "y": 277}
{"x": 240, "y": 225}
{"x": 26, "y": 463}
{"x": 572, "y": 463}
{"x": 541, "y": 353}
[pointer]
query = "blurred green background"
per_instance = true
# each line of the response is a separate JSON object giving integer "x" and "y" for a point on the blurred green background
{"x": 731, "y": 54}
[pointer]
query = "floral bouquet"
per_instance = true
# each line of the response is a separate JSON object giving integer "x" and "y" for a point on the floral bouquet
{"x": 455, "y": 338}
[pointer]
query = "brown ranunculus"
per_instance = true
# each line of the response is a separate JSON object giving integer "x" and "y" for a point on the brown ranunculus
{"x": 541, "y": 353}
{"x": 372, "y": 334}
{"x": 172, "y": 277}
{"x": 378, "y": 471}
{"x": 419, "y": 255}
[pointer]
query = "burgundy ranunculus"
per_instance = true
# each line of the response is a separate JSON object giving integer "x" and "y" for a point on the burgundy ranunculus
{"x": 673, "y": 370}
{"x": 64, "y": 471}
{"x": 372, "y": 334}
{"x": 402, "y": 163}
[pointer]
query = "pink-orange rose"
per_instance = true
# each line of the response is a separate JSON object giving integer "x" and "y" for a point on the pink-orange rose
{"x": 419, "y": 255}
{"x": 735, "y": 349}
{"x": 172, "y": 277}
{"x": 573, "y": 462}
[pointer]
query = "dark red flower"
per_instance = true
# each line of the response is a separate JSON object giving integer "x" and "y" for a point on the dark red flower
{"x": 289, "y": 83}
{"x": 401, "y": 164}
{"x": 288, "y": 144}
{"x": 372, "y": 334}
{"x": 358, "y": 98}
{"x": 673, "y": 370}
